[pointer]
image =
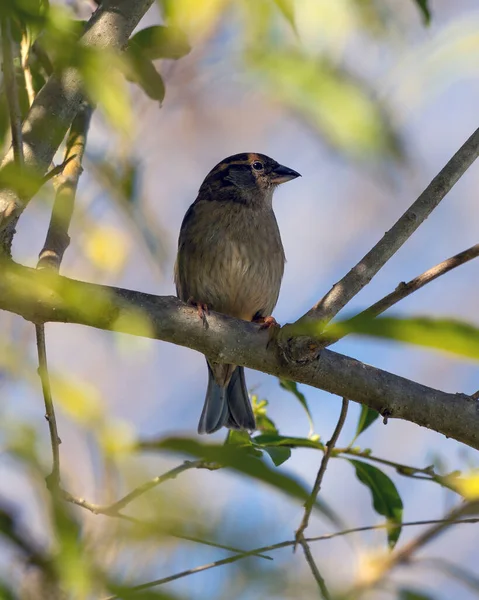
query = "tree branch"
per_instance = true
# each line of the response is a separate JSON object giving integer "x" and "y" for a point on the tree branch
{"x": 360, "y": 275}
{"x": 403, "y": 290}
{"x": 57, "y": 239}
{"x": 60, "y": 98}
{"x": 42, "y": 297}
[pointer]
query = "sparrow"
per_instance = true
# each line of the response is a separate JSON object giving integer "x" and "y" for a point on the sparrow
{"x": 231, "y": 260}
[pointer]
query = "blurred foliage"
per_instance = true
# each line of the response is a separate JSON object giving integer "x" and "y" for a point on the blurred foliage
{"x": 301, "y": 55}
{"x": 447, "y": 335}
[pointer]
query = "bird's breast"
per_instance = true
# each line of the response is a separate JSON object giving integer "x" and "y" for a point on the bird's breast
{"x": 231, "y": 259}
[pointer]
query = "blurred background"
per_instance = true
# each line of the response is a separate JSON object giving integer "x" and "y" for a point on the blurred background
{"x": 368, "y": 103}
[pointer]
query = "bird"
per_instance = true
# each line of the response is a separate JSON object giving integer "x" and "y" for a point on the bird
{"x": 231, "y": 260}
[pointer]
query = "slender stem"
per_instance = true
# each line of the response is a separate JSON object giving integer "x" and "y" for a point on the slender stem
{"x": 285, "y": 544}
{"x": 322, "y": 470}
{"x": 113, "y": 509}
{"x": 405, "y": 470}
{"x": 314, "y": 570}
{"x": 403, "y": 290}
{"x": 361, "y": 274}
{"x": 53, "y": 480}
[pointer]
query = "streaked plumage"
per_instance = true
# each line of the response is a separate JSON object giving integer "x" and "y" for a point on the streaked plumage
{"x": 230, "y": 258}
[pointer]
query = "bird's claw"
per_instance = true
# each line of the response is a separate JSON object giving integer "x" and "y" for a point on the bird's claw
{"x": 267, "y": 322}
{"x": 202, "y": 309}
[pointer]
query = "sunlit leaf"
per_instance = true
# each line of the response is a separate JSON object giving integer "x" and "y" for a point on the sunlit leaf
{"x": 287, "y": 9}
{"x": 263, "y": 421}
{"x": 448, "y": 335}
{"x": 78, "y": 399}
{"x": 102, "y": 73}
{"x": 338, "y": 106}
{"x": 386, "y": 499}
{"x": 161, "y": 42}
{"x": 107, "y": 248}
{"x": 116, "y": 437}
{"x": 292, "y": 386}
{"x": 72, "y": 560}
{"x": 196, "y": 18}
{"x": 423, "y": 6}
{"x": 468, "y": 486}
{"x": 242, "y": 439}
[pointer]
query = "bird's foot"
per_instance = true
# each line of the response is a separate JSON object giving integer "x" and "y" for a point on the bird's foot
{"x": 202, "y": 308}
{"x": 266, "y": 322}
{"x": 271, "y": 325}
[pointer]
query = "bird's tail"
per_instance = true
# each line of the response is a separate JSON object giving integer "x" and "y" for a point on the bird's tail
{"x": 227, "y": 406}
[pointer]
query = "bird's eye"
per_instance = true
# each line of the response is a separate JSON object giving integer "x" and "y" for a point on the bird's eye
{"x": 257, "y": 165}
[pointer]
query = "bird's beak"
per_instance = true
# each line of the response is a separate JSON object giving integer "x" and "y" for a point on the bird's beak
{"x": 282, "y": 174}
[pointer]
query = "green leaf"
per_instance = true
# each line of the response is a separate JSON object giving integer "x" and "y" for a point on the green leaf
{"x": 161, "y": 42}
{"x": 448, "y": 335}
{"x": 278, "y": 454}
{"x": 386, "y": 499}
{"x": 287, "y": 9}
{"x": 366, "y": 418}
{"x": 409, "y": 594}
{"x": 239, "y": 459}
{"x": 269, "y": 439}
{"x": 423, "y": 6}
{"x": 292, "y": 386}
{"x": 141, "y": 71}
{"x": 263, "y": 421}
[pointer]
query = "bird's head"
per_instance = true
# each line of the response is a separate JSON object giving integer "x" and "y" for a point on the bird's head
{"x": 247, "y": 178}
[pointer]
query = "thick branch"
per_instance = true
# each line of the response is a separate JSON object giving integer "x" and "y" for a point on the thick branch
{"x": 360, "y": 275}
{"x": 60, "y": 98}
{"x": 42, "y": 297}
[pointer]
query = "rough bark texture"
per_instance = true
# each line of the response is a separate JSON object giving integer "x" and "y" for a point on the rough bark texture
{"x": 44, "y": 297}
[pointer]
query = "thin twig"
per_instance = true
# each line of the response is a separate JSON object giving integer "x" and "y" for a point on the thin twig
{"x": 322, "y": 470}
{"x": 11, "y": 92}
{"x": 401, "y": 469}
{"x": 53, "y": 480}
{"x": 285, "y": 544}
{"x": 312, "y": 499}
{"x": 113, "y": 509}
{"x": 323, "y": 588}
{"x": 56, "y": 242}
{"x": 360, "y": 275}
{"x": 403, "y": 290}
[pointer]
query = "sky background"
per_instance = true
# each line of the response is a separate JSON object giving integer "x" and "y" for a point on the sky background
{"x": 217, "y": 105}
